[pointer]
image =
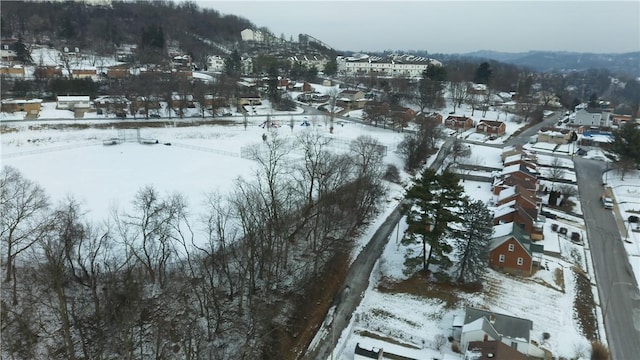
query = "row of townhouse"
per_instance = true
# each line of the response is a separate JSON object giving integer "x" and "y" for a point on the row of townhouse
{"x": 397, "y": 66}
{"x": 517, "y": 223}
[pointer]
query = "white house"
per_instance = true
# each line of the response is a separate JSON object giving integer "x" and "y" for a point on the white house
{"x": 73, "y": 102}
{"x": 252, "y": 35}
{"x": 215, "y": 63}
{"x": 592, "y": 118}
{"x": 396, "y": 65}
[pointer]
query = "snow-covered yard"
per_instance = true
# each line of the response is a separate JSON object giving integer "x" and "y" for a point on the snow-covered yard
{"x": 203, "y": 159}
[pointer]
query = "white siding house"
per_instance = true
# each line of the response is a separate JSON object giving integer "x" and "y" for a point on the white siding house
{"x": 592, "y": 117}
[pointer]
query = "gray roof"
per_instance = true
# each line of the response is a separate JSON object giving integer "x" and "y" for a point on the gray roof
{"x": 505, "y": 325}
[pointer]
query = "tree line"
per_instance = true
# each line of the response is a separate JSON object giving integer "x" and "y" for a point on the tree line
{"x": 152, "y": 282}
{"x": 103, "y": 27}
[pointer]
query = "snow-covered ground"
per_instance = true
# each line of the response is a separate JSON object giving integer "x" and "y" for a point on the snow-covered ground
{"x": 203, "y": 159}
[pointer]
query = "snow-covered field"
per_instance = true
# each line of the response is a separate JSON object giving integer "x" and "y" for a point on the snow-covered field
{"x": 203, "y": 159}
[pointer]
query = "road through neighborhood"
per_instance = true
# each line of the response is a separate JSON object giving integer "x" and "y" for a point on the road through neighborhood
{"x": 357, "y": 280}
{"x": 618, "y": 289}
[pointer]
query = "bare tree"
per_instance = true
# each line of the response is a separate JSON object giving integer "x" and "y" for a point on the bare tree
{"x": 460, "y": 150}
{"x": 23, "y": 205}
{"x": 457, "y": 93}
{"x": 148, "y": 231}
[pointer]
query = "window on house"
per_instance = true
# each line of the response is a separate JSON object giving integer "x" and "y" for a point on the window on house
{"x": 514, "y": 345}
{"x": 520, "y": 261}
{"x": 511, "y": 247}
{"x": 501, "y": 258}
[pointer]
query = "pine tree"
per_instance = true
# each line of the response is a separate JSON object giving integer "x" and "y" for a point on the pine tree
{"x": 433, "y": 205}
{"x": 626, "y": 145}
{"x": 23, "y": 53}
{"x": 472, "y": 241}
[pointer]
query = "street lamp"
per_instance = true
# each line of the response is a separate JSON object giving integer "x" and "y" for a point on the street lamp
{"x": 606, "y": 306}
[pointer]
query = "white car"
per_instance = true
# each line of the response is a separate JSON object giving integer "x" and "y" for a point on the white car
{"x": 607, "y": 202}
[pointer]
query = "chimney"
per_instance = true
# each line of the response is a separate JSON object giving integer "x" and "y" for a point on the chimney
{"x": 486, "y": 338}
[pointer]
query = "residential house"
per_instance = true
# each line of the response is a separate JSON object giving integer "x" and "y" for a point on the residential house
{"x": 112, "y": 104}
{"x": 375, "y": 353}
{"x": 252, "y": 35}
{"x": 619, "y": 120}
{"x": 556, "y": 136}
{"x": 511, "y": 250}
{"x": 215, "y": 63}
{"x": 84, "y": 73}
{"x": 317, "y": 61}
{"x": 477, "y": 89}
{"x": 73, "y": 102}
{"x": 520, "y": 171}
{"x": 6, "y": 53}
{"x": 351, "y": 99}
{"x": 492, "y": 350}
{"x": 592, "y": 117}
{"x": 519, "y": 206}
{"x": 521, "y": 157}
{"x": 509, "y": 181}
{"x": 510, "y": 150}
{"x": 31, "y": 107}
{"x": 12, "y": 71}
{"x": 491, "y": 127}
{"x": 483, "y": 325}
{"x": 393, "y": 65}
{"x": 458, "y": 122}
{"x": 118, "y": 72}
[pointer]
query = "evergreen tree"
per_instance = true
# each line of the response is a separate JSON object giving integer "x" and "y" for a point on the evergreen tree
{"x": 331, "y": 68}
{"x": 472, "y": 241}
{"x": 483, "y": 74}
{"x": 626, "y": 145}
{"x": 233, "y": 64}
{"x": 433, "y": 206}
{"x": 431, "y": 87}
{"x": 23, "y": 53}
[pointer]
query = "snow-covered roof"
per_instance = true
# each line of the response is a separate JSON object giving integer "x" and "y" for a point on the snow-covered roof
{"x": 73, "y": 98}
{"x": 502, "y": 230}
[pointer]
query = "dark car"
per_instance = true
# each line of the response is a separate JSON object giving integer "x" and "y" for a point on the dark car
{"x": 154, "y": 116}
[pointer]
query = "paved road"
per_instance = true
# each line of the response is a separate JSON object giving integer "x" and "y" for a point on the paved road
{"x": 524, "y": 136}
{"x": 618, "y": 289}
{"x": 357, "y": 279}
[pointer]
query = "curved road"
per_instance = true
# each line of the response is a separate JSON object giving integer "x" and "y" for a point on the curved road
{"x": 617, "y": 286}
{"x": 357, "y": 279}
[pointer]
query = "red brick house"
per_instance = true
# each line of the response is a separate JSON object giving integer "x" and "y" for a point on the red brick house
{"x": 458, "y": 122}
{"x": 509, "y": 181}
{"x": 521, "y": 171}
{"x": 525, "y": 217}
{"x": 511, "y": 250}
{"x": 491, "y": 127}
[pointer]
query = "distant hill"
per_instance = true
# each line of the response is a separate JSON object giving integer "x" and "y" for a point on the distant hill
{"x": 627, "y": 63}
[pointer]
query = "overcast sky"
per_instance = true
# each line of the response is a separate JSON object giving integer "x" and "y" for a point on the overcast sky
{"x": 450, "y": 26}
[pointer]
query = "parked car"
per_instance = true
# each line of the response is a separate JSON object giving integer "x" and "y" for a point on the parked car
{"x": 154, "y": 116}
{"x": 607, "y": 202}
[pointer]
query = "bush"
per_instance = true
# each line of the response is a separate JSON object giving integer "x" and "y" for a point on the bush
{"x": 392, "y": 174}
{"x": 599, "y": 351}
